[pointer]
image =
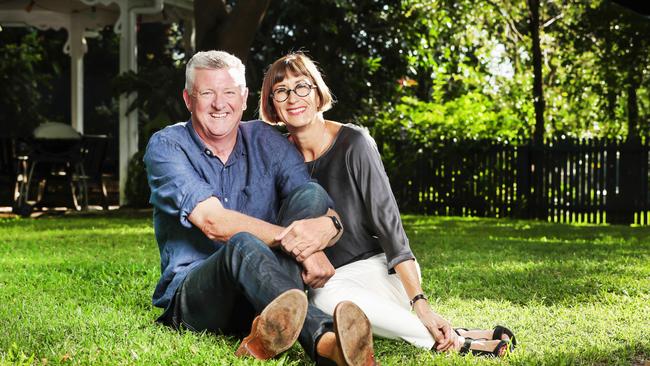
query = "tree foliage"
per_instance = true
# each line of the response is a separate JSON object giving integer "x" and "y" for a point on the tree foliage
{"x": 594, "y": 70}
{"x": 35, "y": 74}
{"x": 26, "y": 89}
{"x": 412, "y": 70}
{"x": 614, "y": 42}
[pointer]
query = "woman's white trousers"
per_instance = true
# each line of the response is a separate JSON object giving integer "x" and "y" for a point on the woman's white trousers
{"x": 380, "y": 295}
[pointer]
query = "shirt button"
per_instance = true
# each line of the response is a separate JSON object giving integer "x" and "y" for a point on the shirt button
{"x": 225, "y": 199}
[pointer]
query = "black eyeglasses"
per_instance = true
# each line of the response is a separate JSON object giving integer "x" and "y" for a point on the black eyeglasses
{"x": 301, "y": 90}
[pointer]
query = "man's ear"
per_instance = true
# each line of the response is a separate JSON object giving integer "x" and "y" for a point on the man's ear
{"x": 245, "y": 96}
{"x": 188, "y": 100}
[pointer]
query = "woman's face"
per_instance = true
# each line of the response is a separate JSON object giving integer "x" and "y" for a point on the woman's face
{"x": 301, "y": 104}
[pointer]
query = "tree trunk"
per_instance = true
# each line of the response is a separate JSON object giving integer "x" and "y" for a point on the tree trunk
{"x": 208, "y": 14}
{"x": 537, "y": 204}
{"x": 538, "y": 92}
{"x": 632, "y": 158}
{"x": 222, "y": 28}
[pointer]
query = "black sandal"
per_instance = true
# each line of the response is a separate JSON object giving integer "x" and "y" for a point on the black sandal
{"x": 498, "y": 351}
{"x": 500, "y": 330}
{"x": 497, "y": 333}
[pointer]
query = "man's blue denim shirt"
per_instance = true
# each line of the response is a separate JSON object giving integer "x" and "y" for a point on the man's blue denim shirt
{"x": 261, "y": 171}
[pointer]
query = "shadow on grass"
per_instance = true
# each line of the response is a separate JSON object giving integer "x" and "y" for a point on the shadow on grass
{"x": 73, "y": 219}
{"x": 525, "y": 228}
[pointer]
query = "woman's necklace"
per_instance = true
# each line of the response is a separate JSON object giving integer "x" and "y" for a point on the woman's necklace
{"x": 321, "y": 150}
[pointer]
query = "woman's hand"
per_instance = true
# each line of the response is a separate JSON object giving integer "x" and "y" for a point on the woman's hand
{"x": 445, "y": 337}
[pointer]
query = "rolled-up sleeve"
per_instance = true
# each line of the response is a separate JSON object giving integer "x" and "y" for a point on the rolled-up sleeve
{"x": 379, "y": 202}
{"x": 176, "y": 186}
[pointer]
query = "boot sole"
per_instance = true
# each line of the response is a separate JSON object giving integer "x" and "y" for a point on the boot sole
{"x": 353, "y": 334}
{"x": 277, "y": 328}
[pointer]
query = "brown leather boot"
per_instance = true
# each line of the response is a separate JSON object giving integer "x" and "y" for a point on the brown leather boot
{"x": 353, "y": 335}
{"x": 276, "y": 329}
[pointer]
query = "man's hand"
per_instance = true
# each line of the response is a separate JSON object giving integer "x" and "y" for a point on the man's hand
{"x": 317, "y": 270}
{"x": 445, "y": 337}
{"x": 303, "y": 238}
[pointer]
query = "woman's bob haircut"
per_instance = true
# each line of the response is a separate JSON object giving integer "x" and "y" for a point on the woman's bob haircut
{"x": 296, "y": 64}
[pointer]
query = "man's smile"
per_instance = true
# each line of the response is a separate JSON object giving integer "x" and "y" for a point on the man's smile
{"x": 219, "y": 115}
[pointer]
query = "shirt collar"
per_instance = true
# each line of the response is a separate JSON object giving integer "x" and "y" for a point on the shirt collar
{"x": 237, "y": 151}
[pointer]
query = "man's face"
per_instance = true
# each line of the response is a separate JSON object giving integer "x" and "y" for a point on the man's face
{"x": 216, "y": 103}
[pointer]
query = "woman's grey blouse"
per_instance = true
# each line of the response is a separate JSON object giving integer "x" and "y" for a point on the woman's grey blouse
{"x": 352, "y": 173}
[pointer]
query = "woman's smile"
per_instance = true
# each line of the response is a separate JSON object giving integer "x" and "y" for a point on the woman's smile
{"x": 296, "y": 110}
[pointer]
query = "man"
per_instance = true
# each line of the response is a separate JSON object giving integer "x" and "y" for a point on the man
{"x": 227, "y": 197}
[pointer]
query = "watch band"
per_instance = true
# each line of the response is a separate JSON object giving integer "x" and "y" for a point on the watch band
{"x": 337, "y": 224}
{"x": 416, "y": 298}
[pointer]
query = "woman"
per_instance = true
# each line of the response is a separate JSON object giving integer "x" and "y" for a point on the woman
{"x": 375, "y": 267}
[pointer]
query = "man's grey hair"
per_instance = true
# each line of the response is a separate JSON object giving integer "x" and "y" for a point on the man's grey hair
{"x": 214, "y": 60}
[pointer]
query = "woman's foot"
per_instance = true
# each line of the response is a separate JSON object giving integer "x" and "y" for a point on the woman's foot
{"x": 498, "y": 333}
{"x": 479, "y": 347}
{"x": 478, "y": 334}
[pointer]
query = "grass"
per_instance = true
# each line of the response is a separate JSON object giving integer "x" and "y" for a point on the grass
{"x": 76, "y": 289}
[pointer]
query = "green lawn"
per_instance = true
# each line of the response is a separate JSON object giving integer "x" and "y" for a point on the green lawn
{"x": 77, "y": 290}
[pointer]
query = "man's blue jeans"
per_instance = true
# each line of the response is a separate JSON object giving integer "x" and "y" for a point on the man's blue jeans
{"x": 225, "y": 292}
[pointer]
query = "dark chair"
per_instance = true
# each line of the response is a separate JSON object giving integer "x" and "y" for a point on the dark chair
{"x": 13, "y": 174}
{"x": 93, "y": 155}
{"x": 56, "y": 163}
{"x": 7, "y": 172}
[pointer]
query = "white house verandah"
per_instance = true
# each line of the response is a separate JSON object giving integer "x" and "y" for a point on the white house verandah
{"x": 81, "y": 18}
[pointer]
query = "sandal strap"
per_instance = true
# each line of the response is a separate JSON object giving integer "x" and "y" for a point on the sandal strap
{"x": 500, "y": 330}
{"x": 463, "y": 329}
{"x": 495, "y": 352}
{"x": 465, "y": 348}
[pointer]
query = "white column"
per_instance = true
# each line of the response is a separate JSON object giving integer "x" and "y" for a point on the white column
{"x": 128, "y": 123}
{"x": 77, "y": 50}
